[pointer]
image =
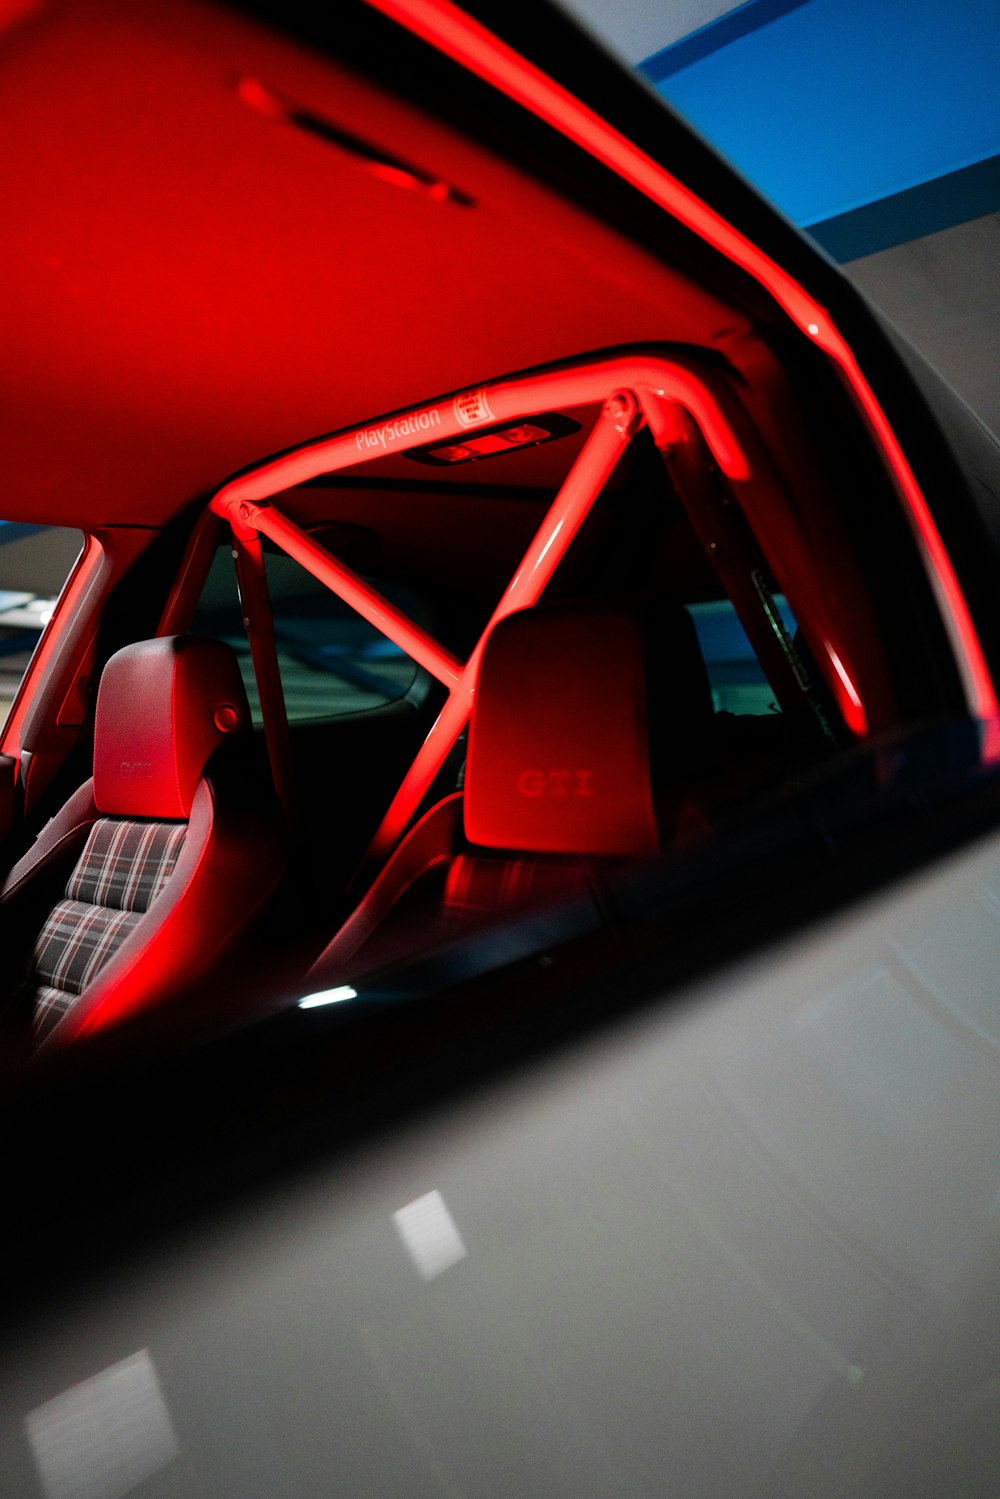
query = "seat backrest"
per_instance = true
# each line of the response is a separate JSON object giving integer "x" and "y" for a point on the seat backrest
{"x": 559, "y": 780}
{"x": 153, "y": 867}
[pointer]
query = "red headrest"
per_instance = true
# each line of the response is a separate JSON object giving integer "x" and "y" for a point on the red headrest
{"x": 558, "y": 746}
{"x": 162, "y": 708}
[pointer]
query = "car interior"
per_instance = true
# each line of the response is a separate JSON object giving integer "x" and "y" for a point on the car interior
{"x": 499, "y": 788}
{"x": 431, "y": 754}
{"x": 585, "y": 567}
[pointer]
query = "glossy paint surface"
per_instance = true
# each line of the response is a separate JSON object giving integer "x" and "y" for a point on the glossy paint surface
{"x": 743, "y": 1243}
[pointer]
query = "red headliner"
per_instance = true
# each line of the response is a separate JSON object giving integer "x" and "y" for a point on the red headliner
{"x": 190, "y": 284}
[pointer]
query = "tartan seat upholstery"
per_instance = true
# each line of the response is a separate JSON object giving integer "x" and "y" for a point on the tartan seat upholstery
{"x": 147, "y": 876}
{"x": 123, "y": 867}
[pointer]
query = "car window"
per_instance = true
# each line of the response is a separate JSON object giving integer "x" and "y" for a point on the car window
{"x": 734, "y": 672}
{"x": 35, "y": 562}
{"x": 332, "y": 662}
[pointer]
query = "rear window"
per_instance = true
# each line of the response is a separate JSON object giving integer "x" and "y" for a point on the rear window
{"x": 332, "y": 662}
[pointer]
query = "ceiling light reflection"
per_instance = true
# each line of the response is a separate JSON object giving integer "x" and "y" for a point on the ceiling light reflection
{"x": 430, "y": 1234}
{"x": 327, "y": 997}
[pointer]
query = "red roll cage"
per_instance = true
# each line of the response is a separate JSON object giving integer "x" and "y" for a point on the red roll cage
{"x": 443, "y": 25}
{"x": 694, "y": 420}
{"x": 702, "y": 417}
{"x": 682, "y": 408}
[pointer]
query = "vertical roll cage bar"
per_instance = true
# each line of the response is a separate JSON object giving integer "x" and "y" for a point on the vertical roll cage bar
{"x": 458, "y": 35}
{"x": 696, "y": 423}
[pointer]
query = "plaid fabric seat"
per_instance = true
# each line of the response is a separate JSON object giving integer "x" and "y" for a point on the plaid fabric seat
{"x": 182, "y": 846}
{"x": 123, "y": 867}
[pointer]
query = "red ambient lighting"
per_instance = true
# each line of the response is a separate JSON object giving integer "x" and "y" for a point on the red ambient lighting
{"x": 444, "y": 26}
{"x": 494, "y": 442}
{"x": 661, "y": 382}
{"x": 371, "y": 158}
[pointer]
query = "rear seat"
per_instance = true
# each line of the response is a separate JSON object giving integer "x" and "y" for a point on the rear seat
{"x": 560, "y": 782}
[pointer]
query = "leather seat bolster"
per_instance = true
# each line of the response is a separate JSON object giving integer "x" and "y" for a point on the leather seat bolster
{"x": 57, "y": 847}
{"x": 431, "y": 844}
{"x": 216, "y": 888}
{"x": 38, "y": 879}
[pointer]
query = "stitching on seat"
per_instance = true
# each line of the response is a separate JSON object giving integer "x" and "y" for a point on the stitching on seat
{"x": 47, "y": 857}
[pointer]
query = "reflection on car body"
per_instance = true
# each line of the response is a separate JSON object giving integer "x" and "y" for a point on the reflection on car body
{"x": 500, "y": 895}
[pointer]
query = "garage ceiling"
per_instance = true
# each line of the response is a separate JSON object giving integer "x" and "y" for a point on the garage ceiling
{"x": 891, "y": 111}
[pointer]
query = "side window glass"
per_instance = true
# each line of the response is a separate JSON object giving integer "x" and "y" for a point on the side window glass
{"x": 332, "y": 661}
{"x": 35, "y": 562}
{"x": 736, "y": 676}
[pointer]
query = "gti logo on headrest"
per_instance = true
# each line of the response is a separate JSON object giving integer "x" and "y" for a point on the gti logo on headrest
{"x": 136, "y": 770}
{"x": 556, "y": 783}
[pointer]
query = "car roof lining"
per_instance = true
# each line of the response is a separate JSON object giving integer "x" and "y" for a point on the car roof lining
{"x": 211, "y": 284}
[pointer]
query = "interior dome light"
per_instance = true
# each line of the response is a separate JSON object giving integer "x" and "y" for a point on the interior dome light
{"x": 498, "y": 440}
{"x": 452, "y": 455}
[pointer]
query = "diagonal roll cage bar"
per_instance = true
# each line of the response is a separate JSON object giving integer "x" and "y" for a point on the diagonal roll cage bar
{"x": 458, "y": 35}
{"x": 633, "y": 390}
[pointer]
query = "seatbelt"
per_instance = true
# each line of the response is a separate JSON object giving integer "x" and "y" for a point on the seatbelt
{"x": 255, "y": 608}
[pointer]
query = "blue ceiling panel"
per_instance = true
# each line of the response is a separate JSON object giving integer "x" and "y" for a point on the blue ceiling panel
{"x": 831, "y": 106}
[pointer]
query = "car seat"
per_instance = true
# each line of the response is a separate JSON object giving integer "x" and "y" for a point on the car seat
{"x": 569, "y": 774}
{"x": 148, "y": 875}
